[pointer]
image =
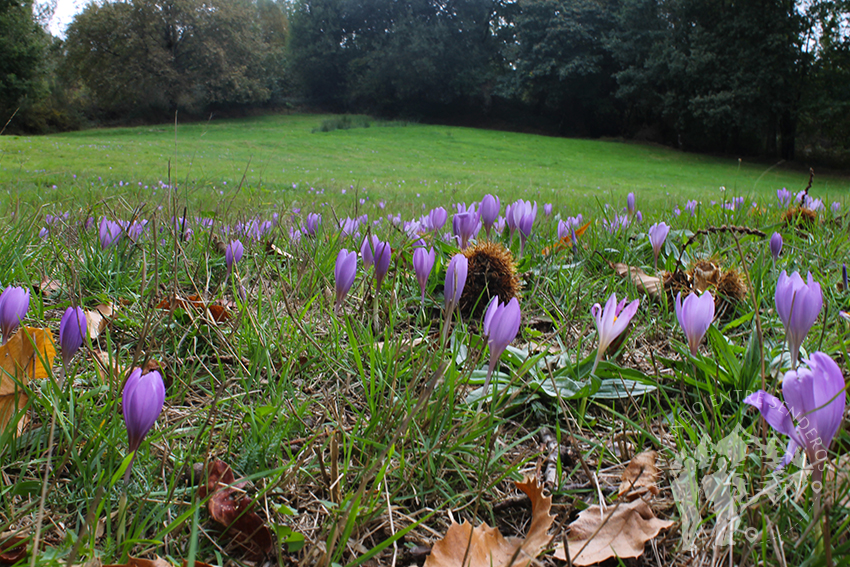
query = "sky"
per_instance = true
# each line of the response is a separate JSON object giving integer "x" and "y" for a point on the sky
{"x": 64, "y": 13}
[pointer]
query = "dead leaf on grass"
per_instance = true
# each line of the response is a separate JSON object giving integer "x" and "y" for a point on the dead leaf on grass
{"x": 622, "y": 531}
{"x": 651, "y": 285}
{"x": 23, "y": 358}
{"x": 12, "y": 548}
{"x": 231, "y": 508}
{"x": 486, "y": 547}
{"x": 98, "y": 318}
{"x": 48, "y": 286}
{"x": 641, "y": 476}
{"x": 218, "y": 310}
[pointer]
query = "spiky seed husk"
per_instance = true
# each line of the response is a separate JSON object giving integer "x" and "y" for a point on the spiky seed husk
{"x": 800, "y": 216}
{"x": 492, "y": 272}
{"x": 732, "y": 286}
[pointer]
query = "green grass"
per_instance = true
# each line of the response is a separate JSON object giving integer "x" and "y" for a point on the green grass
{"x": 356, "y": 444}
{"x": 392, "y": 162}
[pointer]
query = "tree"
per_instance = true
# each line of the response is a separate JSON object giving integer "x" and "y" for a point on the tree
{"x": 22, "y": 51}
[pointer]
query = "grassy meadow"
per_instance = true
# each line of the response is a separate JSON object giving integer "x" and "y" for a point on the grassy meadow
{"x": 306, "y": 422}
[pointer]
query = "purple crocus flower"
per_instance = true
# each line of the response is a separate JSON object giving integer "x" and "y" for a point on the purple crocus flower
{"x": 784, "y": 196}
{"x": 14, "y": 304}
{"x": 524, "y": 213}
{"x": 815, "y": 400}
{"x": 691, "y": 207}
{"x": 489, "y": 211}
{"x": 465, "y": 226}
{"x": 695, "y": 315}
{"x": 423, "y": 263}
{"x": 311, "y": 225}
{"x": 657, "y": 235}
{"x": 611, "y": 322}
{"x": 383, "y": 255}
{"x": 233, "y": 253}
{"x": 143, "y": 398}
{"x": 367, "y": 250}
{"x": 775, "y": 245}
{"x": 501, "y": 324}
{"x": 547, "y": 209}
{"x": 455, "y": 280}
{"x": 110, "y": 232}
{"x": 344, "y": 272}
{"x": 72, "y": 331}
{"x": 437, "y": 218}
{"x": 798, "y": 305}
{"x": 630, "y": 203}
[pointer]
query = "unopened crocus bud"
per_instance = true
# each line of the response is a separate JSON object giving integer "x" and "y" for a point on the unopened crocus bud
{"x": 455, "y": 280}
{"x": 611, "y": 321}
{"x": 14, "y": 304}
{"x": 233, "y": 253}
{"x": 547, "y": 209}
{"x": 465, "y": 226}
{"x": 489, "y": 211}
{"x": 695, "y": 315}
{"x": 109, "y": 232}
{"x": 630, "y": 203}
{"x": 423, "y": 263}
{"x": 501, "y": 324}
{"x": 72, "y": 330}
{"x": 144, "y": 395}
{"x": 775, "y": 245}
{"x": 344, "y": 273}
{"x": 367, "y": 250}
{"x": 657, "y": 235}
{"x": 383, "y": 255}
{"x": 312, "y": 224}
{"x": 798, "y": 305}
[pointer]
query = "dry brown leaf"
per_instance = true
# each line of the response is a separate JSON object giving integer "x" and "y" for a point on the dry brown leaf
{"x": 22, "y": 359}
{"x": 218, "y": 311}
{"x": 651, "y": 285}
{"x": 487, "y": 547}
{"x": 101, "y": 366}
{"x": 98, "y": 318}
{"x": 232, "y": 509}
{"x": 138, "y": 562}
{"x": 836, "y": 482}
{"x": 641, "y": 476}
{"x": 12, "y": 548}
{"x": 48, "y": 286}
{"x": 622, "y": 532}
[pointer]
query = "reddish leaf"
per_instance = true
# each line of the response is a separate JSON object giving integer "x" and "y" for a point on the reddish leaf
{"x": 12, "y": 548}
{"x": 232, "y": 509}
{"x": 138, "y": 562}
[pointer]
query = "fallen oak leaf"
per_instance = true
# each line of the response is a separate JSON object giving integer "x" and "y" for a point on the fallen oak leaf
{"x": 28, "y": 355}
{"x": 231, "y": 508}
{"x": 12, "y": 548}
{"x": 484, "y": 546}
{"x": 566, "y": 242}
{"x": 640, "y": 476}
{"x": 218, "y": 311}
{"x": 622, "y": 532}
{"x": 139, "y": 562}
{"x": 98, "y": 318}
{"x": 650, "y": 285}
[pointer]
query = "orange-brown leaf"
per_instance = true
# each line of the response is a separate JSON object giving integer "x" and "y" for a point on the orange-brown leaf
{"x": 622, "y": 531}
{"x": 484, "y": 546}
{"x": 9, "y": 406}
{"x": 26, "y": 357}
{"x": 232, "y": 509}
{"x": 566, "y": 242}
{"x": 640, "y": 476}
{"x": 139, "y": 562}
{"x": 98, "y": 318}
{"x": 12, "y": 548}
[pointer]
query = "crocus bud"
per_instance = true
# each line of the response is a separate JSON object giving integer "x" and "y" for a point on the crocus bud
{"x": 501, "y": 324}
{"x": 143, "y": 399}
{"x": 798, "y": 305}
{"x": 344, "y": 272}
{"x": 455, "y": 280}
{"x": 14, "y": 304}
{"x": 109, "y": 232}
{"x": 547, "y": 209}
{"x": 489, "y": 211}
{"x": 367, "y": 250}
{"x": 437, "y": 218}
{"x": 383, "y": 255}
{"x": 695, "y": 315}
{"x": 72, "y": 330}
{"x": 657, "y": 235}
{"x": 630, "y": 203}
{"x": 233, "y": 253}
{"x": 312, "y": 224}
{"x": 776, "y": 245}
{"x": 423, "y": 263}
{"x": 465, "y": 226}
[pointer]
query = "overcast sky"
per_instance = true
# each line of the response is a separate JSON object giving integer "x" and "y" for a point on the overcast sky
{"x": 65, "y": 11}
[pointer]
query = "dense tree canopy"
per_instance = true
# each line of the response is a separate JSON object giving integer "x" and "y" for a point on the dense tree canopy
{"x": 22, "y": 49}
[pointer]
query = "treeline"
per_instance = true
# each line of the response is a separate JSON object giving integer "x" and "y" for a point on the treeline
{"x": 767, "y": 77}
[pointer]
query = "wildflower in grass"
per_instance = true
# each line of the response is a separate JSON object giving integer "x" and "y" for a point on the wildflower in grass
{"x": 547, "y": 209}
{"x": 784, "y": 196}
{"x": 501, "y": 324}
{"x": 630, "y": 203}
{"x": 311, "y": 225}
{"x": 488, "y": 211}
{"x": 144, "y": 395}
{"x": 815, "y": 400}
{"x": 657, "y": 235}
{"x": 616, "y": 223}
{"x": 844, "y": 281}
{"x": 638, "y": 217}
{"x": 43, "y": 233}
{"x": 135, "y": 229}
{"x": 523, "y": 213}
{"x": 836, "y": 207}
{"x": 344, "y": 272}
{"x": 72, "y": 330}
{"x": 691, "y": 207}
{"x": 110, "y": 232}
{"x": 465, "y": 226}
{"x": 437, "y": 218}
{"x": 455, "y": 280}
{"x": 14, "y": 304}
{"x": 798, "y": 305}
{"x": 775, "y": 245}
{"x": 233, "y": 253}
{"x": 383, "y": 255}
{"x": 611, "y": 322}
{"x": 423, "y": 263}
{"x": 367, "y": 250}
{"x": 695, "y": 315}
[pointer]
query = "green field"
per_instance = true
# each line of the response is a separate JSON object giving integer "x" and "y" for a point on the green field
{"x": 389, "y": 160}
